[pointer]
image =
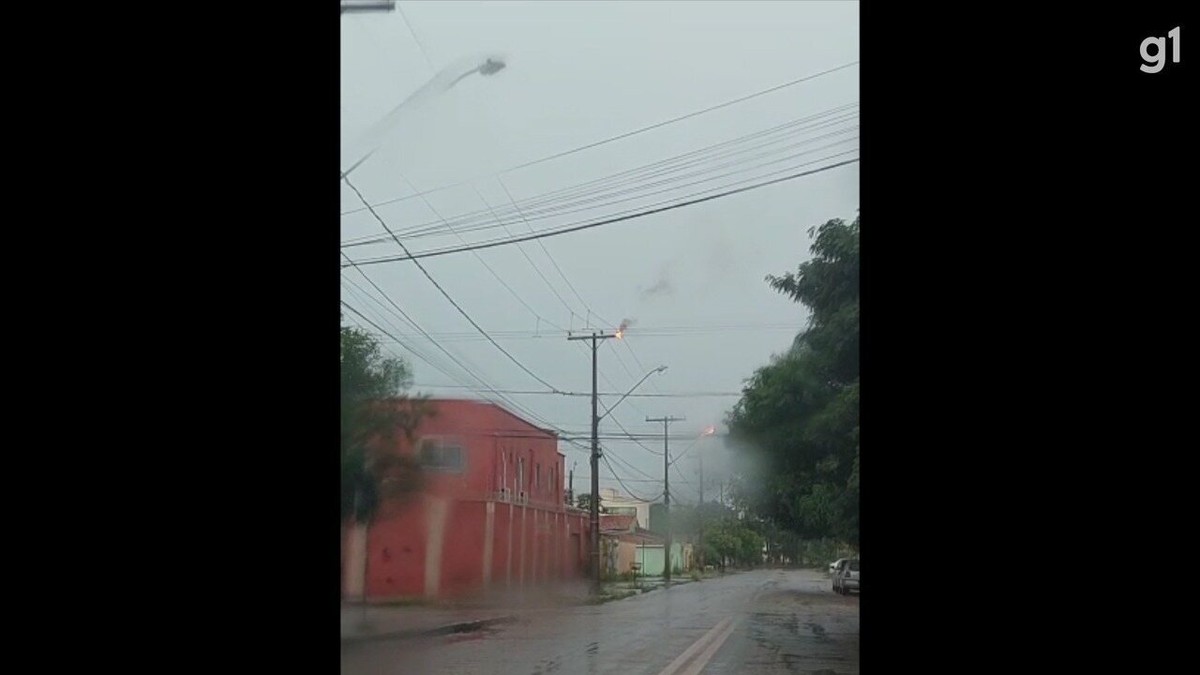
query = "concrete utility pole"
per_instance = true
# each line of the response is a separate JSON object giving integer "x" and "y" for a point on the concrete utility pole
{"x": 666, "y": 421}
{"x": 700, "y": 516}
{"x": 571, "y": 489}
{"x": 710, "y": 431}
{"x": 595, "y": 515}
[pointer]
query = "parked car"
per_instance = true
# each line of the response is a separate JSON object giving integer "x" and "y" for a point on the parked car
{"x": 846, "y": 577}
{"x": 836, "y": 565}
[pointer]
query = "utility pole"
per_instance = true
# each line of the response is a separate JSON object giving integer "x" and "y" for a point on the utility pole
{"x": 700, "y": 515}
{"x": 666, "y": 421}
{"x": 571, "y": 489}
{"x": 595, "y": 515}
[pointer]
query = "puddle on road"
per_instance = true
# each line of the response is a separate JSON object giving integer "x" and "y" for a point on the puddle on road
{"x": 470, "y": 636}
{"x": 546, "y": 666}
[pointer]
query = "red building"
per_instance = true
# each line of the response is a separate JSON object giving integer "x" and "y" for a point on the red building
{"x": 491, "y": 512}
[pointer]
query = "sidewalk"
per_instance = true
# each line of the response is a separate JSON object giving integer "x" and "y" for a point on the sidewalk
{"x": 415, "y": 621}
{"x": 396, "y": 621}
{"x": 384, "y": 621}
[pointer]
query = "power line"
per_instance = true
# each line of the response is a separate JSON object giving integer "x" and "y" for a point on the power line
{"x": 524, "y": 253}
{"x": 558, "y": 200}
{"x": 443, "y": 291}
{"x": 661, "y": 331}
{"x": 543, "y": 245}
{"x": 626, "y": 487}
{"x": 609, "y": 221}
{"x": 559, "y": 433}
{"x": 708, "y": 193}
{"x": 660, "y": 124}
{"x": 384, "y": 331}
{"x": 526, "y": 392}
{"x": 684, "y": 117}
{"x": 419, "y": 354}
{"x": 643, "y": 188}
{"x": 470, "y": 371}
{"x": 547, "y": 252}
{"x": 400, "y": 312}
{"x": 414, "y": 37}
{"x": 631, "y": 436}
{"x": 483, "y": 262}
{"x": 628, "y": 465}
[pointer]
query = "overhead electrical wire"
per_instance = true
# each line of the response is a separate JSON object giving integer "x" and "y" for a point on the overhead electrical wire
{"x": 542, "y": 244}
{"x": 532, "y": 264}
{"x": 447, "y": 295}
{"x": 515, "y": 406}
{"x": 420, "y": 354}
{"x": 559, "y": 201}
{"x": 519, "y": 392}
{"x": 488, "y": 267}
{"x": 438, "y": 230}
{"x": 627, "y": 489}
{"x": 468, "y": 367}
{"x": 607, "y": 221}
{"x": 684, "y": 117}
{"x": 645, "y": 128}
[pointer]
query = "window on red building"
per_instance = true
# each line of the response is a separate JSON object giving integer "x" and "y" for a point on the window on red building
{"x": 441, "y": 454}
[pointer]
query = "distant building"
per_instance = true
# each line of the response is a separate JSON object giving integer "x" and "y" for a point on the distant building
{"x": 490, "y": 513}
{"x": 626, "y": 547}
{"x": 618, "y": 504}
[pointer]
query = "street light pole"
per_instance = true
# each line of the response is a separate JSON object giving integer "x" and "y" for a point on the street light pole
{"x": 357, "y": 6}
{"x": 375, "y": 133}
{"x": 626, "y": 394}
{"x": 595, "y": 505}
{"x": 666, "y": 421}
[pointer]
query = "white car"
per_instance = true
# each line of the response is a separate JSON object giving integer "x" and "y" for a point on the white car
{"x": 836, "y": 565}
{"x": 846, "y": 578}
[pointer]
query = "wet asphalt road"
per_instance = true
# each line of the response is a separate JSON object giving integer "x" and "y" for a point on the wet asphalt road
{"x": 766, "y": 621}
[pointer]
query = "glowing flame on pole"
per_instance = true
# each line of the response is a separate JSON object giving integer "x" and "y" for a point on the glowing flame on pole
{"x": 625, "y": 324}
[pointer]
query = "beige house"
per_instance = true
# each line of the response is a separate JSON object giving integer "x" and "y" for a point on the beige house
{"x": 618, "y": 504}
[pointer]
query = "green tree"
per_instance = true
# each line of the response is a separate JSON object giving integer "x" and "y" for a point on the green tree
{"x": 796, "y": 423}
{"x": 373, "y": 411}
{"x": 734, "y": 540}
{"x": 584, "y": 501}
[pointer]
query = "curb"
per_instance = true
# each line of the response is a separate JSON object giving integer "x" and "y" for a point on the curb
{"x": 448, "y": 629}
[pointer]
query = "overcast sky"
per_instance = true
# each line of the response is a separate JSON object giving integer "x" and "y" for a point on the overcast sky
{"x": 689, "y": 279}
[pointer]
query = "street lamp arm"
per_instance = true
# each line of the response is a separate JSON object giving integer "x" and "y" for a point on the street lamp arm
{"x": 623, "y": 397}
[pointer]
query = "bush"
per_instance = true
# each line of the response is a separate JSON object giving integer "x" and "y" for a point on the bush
{"x": 695, "y": 575}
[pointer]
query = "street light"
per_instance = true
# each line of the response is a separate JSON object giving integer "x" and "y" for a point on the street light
{"x": 374, "y": 136}
{"x": 639, "y": 383}
{"x": 353, "y": 6}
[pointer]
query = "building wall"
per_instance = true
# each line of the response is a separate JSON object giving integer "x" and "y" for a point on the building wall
{"x": 530, "y": 546}
{"x": 651, "y": 557}
{"x": 612, "y": 499}
{"x": 494, "y": 520}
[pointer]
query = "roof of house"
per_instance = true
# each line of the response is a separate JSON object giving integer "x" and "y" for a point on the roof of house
{"x": 610, "y": 523}
{"x": 642, "y": 538}
{"x": 502, "y": 409}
